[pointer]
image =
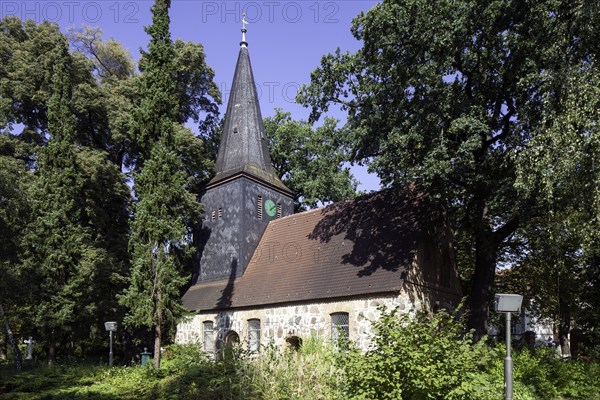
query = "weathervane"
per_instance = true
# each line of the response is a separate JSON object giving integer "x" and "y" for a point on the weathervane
{"x": 243, "y": 43}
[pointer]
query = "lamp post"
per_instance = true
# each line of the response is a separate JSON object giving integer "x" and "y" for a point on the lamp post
{"x": 110, "y": 327}
{"x": 508, "y": 304}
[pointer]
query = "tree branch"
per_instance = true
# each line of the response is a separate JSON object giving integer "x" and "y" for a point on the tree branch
{"x": 505, "y": 126}
{"x": 506, "y": 230}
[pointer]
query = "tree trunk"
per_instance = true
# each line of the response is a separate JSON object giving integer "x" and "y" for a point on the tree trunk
{"x": 483, "y": 281}
{"x": 157, "y": 332}
{"x": 11, "y": 339}
{"x": 563, "y": 335}
{"x": 51, "y": 350}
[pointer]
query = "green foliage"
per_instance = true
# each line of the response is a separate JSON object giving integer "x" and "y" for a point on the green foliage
{"x": 69, "y": 122}
{"x": 159, "y": 106}
{"x": 29, "y": 55}
{"x": 309, "y": 161}
{"x": 308, "y": 373}
{"x": 559, "y": 270}
{"x": 78, "y": 236}
{"x": 79, "y": 201}
{"x": 111, "y": 61}
{"x": 198, "y": 94}
{"x": 72, "y": 201}
{"x": 164, "y": 210}
{"x": 317, "y": 371}
{"x": 549, "y": 377}
{"x": 460, "y": 99}
{"x": 14, "y": 208}
{"x": 425, "y": 357}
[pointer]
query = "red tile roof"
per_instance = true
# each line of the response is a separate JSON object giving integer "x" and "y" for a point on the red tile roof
{"x": 359, "y": 247}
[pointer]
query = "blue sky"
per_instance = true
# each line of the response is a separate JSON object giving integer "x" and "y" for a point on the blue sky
{"x": 286, "y": 38}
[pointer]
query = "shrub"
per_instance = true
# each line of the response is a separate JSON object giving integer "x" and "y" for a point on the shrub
{"x": 426, "y": 357}
{"x": 550, "y": 377}
{"x": 423, "y": 358}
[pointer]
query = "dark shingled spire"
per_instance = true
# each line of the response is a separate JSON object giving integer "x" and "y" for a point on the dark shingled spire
{"x": 244, "y": 149}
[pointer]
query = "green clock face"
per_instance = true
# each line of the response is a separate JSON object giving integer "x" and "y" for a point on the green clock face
{"x": 270, "y": 208}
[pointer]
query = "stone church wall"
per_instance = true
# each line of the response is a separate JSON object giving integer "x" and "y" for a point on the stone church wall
{"x": 303, "y": 321}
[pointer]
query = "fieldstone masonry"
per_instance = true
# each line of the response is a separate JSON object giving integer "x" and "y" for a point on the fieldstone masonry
{"x": 313, "y": 319}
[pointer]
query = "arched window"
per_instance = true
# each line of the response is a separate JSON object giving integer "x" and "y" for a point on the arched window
{"x": 208, "y": 336}
{"x": 254, "y": 335}
{"x": 340, "y": 328}
{"x": 232, "y": 339}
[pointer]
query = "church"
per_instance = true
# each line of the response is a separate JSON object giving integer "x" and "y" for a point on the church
{"x": 268, "y": 275}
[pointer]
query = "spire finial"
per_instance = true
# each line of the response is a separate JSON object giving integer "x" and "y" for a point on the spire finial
{"x": 243, "y": 43}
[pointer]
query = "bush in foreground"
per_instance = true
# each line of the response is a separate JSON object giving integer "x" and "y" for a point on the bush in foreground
{"x": 425, "y": 357}
{"x": 431, "y": 357}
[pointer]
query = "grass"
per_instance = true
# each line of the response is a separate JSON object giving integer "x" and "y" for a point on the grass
{"x": 314, "y": 372}
{"x": 185, "y": 373}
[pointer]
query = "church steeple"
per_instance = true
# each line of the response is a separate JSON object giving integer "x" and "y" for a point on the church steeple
{"x": 246, "y": 193}
{"x": 244, "y": 148}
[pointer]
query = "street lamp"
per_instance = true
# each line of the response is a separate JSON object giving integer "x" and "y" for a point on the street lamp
{"x": 508, "y": 304}
{"x": 110, "y": 327}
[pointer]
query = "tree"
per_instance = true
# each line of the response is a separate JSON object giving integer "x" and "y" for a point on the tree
{"x": 559, "y": 265}
{"x": 14, "y": 214}
{"x": 28, "y": 56}
{"x": 166, "y": 211}
{"x": 451, "y": 96}
{"x": 160, "y": 243}
{"x": 309, "y": 161}
{"x": 77, "y": 233}
{"x": 197, "y": 94}
{"x": 111, "y": 61}
{"x": 76, "y": 259}
{"x": 550, "y": 273}
{"x": 70, "y": 122}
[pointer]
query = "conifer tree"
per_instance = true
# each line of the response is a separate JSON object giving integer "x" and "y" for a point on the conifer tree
{"x": 13, "y": 215}
{"x": 74, "y": 242}
{"x": 159, "y": 107}
{"x": 165, "y": 207}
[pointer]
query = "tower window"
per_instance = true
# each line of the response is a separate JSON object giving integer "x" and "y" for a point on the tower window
{"x": 220, "y": 213}
{"x": 278, "y": 210}
{"x": 254, "y": 335}
{"x": 214, "y": 215}
{"x": 259, "y": 207}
